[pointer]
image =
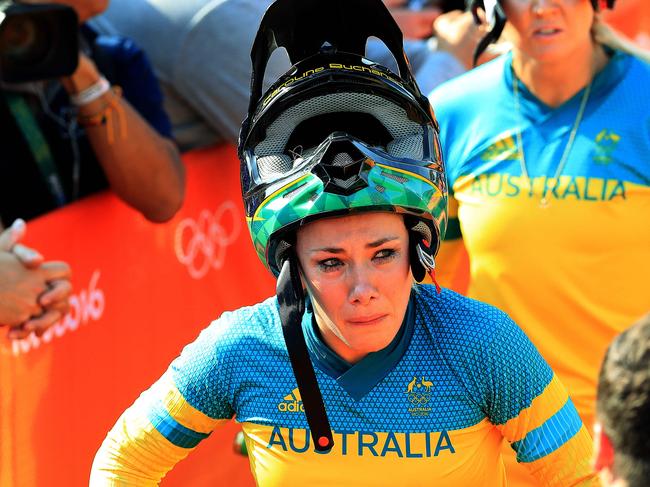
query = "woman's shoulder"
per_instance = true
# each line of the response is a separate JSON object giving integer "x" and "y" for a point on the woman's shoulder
{"x": 452, "y": 315}
{"x": 255, "y": 323}
{"x": 472, "y": 334}
{"x": 639, "y": 68}
{"x": 624, "y": 72}
{"x": 235, "y": 334}
{"x": 453, "y": 304}
{"x": 466, "y": 108}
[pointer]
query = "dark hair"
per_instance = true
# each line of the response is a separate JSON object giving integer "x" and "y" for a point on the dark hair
{"x": 623, "y": 402}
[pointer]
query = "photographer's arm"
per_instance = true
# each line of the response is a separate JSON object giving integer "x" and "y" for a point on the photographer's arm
{"x": 142, "y": 167}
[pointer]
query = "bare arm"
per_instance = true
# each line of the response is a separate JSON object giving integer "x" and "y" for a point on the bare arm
{"x": 142, "y": 167}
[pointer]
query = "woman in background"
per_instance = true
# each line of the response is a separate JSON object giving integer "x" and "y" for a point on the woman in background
{"x": 547, "y": 150}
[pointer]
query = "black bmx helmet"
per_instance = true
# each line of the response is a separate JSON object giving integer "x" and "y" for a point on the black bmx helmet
{"x": 336, "y": 134}
{"x": 496, "y": 18}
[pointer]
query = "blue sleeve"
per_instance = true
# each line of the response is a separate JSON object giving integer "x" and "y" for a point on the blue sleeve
{"x": 515, "y": 372}
{"x": 499, "y": 366}
{"x": 202, "y": 372}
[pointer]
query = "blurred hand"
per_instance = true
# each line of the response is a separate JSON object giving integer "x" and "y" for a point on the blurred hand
{"x": 9, "y": 239}
{"x": 21, "y": 288}
{"x": 457, "y": 34}
{"x": 33, "y": 294}
{"x": 19, "y": 291}
{"x": 54, "y": 302}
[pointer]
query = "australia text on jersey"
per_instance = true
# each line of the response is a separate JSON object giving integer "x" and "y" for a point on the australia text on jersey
{"x": 569, "y": 187}
{"x": 402, "y": 445}
{"x": 368, "y": 443}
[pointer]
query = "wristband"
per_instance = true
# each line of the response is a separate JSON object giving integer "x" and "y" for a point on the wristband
{"x": 104, "y": 117}
{"x": 91, "y": 93}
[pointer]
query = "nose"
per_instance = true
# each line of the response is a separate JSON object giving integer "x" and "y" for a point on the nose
{"x": 362, "y": 286}
{"x": 541, "y": 7}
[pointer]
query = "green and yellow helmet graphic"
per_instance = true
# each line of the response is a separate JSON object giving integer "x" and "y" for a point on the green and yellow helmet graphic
{"x": 347, "y": 177}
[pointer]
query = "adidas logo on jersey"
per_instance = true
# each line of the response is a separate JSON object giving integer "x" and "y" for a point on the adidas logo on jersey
{"x": 292, "y": 403}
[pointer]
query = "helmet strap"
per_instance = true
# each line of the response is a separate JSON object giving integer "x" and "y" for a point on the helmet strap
{"x": 422, "y": 261}
{"x": 421, "y": 252}
{"x": 291, "y": 300}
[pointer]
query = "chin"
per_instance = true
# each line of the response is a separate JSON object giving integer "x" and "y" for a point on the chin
{"x": 551, "y": 57}
{"x": 366, "y": 346}
{"x": 549, "y": 53}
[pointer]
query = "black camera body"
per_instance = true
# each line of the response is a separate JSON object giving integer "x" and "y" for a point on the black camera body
{"x": 37, "y": 42}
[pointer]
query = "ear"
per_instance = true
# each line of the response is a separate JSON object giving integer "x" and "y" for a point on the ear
{"x": 603, "y": 450}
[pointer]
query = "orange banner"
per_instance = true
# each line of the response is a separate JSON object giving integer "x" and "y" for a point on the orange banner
{"x": 141, "y": 292}
{"x": 631, "y": 18}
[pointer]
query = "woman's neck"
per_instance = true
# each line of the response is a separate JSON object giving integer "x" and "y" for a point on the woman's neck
{"x": 556, "y": 82}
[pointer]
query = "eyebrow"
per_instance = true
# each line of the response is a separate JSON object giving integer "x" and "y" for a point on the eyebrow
{"x": 370, "y": 245}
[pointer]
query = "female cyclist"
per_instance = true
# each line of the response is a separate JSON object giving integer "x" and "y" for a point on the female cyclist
{"x": 547, "y": 150}
{"x": 352, "y": 375}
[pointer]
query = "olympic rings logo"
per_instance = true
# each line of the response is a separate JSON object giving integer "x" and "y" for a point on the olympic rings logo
{"x": 419, "y": 397}
{"x": 201, "y": 244}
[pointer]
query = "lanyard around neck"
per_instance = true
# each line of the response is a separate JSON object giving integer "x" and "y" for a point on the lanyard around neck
{"x": 38, "y": 146}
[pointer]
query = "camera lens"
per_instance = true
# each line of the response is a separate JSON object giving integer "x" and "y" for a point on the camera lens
{"x": 37, "y": 41}
{"x": 25, "y": 40}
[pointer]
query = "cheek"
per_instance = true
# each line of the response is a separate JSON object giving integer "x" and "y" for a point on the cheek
{"x": 328, "y": 293}
{"x": 402, "y": 290}
{"x": 516, "y": 12}
{"x": 325, "y": 309}
{"x": 586, "y": 22}
{"x": 396, "y": 285}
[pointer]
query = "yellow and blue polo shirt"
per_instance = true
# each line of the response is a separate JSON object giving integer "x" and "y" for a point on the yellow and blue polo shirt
{"x": 572, "y": 274}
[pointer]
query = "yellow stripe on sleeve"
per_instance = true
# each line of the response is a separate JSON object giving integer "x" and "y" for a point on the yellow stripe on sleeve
{"x": 181, "y": 411}
{"x": 135, "y": 452}
{"x": 543, "y": 407}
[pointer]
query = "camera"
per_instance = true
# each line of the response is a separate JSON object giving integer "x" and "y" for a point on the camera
{"x": 37, "y": 42}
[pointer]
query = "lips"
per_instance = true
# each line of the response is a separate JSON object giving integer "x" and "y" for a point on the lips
{"x": 546, "y": 31}
{"x": 367, "y": 320}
